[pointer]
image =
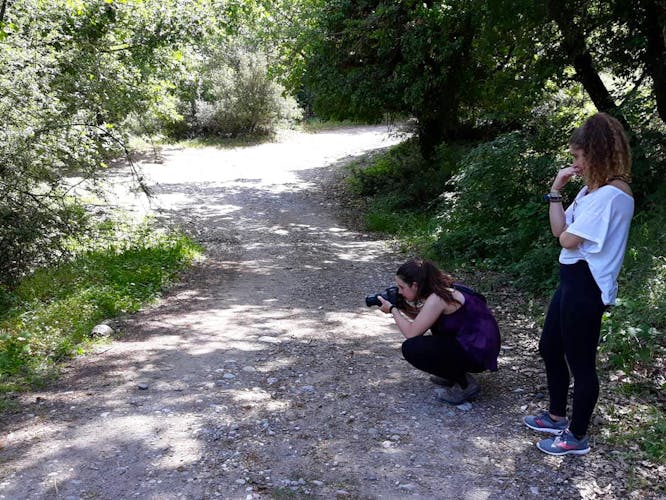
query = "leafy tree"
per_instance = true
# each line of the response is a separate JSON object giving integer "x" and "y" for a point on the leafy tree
{"x": 454, "y": 66}
{"x": 618, "y": 55}
{"x": 71, "y": 72}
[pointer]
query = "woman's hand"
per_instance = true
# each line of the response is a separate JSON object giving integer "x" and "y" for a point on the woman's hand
{"x": 432, "y": 308}
{"x": 563, "y": 177}
{"x": 386, "y": 305}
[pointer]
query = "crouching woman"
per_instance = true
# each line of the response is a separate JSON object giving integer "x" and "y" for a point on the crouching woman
{"x": 465, "y": 336}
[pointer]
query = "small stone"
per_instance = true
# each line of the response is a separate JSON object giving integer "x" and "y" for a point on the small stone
{"x": 142, "y": 386}
{"x": 269, "y": 340}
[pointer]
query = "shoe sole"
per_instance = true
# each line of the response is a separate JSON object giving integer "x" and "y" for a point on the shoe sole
{"x": 561, "y": 453}
{"x": 555, "y": 432}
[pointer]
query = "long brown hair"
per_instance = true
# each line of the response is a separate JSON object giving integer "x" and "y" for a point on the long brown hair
{"x": 606, "y": 149}
{"x": 428, "y": 277}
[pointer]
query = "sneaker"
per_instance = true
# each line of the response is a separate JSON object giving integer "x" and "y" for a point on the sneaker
{"x": 564, "y": 444}
{"x": 544, "y": 423}
{"x": 456, "y": 395}
{"x": 444, "y": 382}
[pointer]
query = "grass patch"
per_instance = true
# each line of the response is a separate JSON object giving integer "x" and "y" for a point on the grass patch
{"x": 314, "y": 125}
{"x": 144, "y": 145}
{"x": 414, "y": 231}
{"x": 639, "y": 428}
{"x": 51, "y": 313}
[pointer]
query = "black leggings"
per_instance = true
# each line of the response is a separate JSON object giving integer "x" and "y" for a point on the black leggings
{"x": 440, "y": 355}
{"x": 569, "y": 342}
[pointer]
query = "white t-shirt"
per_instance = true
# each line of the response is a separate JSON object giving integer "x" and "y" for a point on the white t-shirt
{"x": 602, "y": 218}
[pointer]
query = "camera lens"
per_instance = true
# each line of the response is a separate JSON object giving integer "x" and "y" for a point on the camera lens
{"x": 372, "y": 300}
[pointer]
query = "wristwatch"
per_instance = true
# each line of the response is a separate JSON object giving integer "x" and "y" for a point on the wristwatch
{"x": 552, "y": 198}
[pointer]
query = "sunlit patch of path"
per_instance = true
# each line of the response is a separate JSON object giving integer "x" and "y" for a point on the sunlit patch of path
{"x": 272, "y": 167}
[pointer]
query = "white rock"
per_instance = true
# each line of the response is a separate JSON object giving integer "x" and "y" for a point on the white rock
{"x": 101, "y": 330}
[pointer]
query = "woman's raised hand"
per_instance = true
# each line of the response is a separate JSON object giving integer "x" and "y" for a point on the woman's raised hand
{"x": 563, "y": 177}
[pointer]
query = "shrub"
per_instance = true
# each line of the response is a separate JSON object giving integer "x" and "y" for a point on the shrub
{"x": 33, "y": 229}
{"x": 634, "y": 330}
{"x": 496, "y": 216}
{"x": 240, "y": 99}
{"x": 402, "y": 179}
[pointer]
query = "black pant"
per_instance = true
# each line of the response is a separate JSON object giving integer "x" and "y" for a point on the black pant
{"x": 440, "y": 355}
{"x": 569, "y": 342}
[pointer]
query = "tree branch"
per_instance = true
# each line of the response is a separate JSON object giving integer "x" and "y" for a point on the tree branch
{"x": 2, "y": 10}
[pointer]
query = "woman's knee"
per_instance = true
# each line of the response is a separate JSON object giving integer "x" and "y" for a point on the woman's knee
{"x": 550, "y": 347}
{"x": 410, "y": 348}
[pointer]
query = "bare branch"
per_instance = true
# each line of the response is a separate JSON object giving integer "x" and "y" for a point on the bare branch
{"x": 2, "y": 10}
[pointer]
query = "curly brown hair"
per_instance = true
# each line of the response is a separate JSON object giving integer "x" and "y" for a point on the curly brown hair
{"x": 429, "y": 278}
{"x": 606, "y": 149}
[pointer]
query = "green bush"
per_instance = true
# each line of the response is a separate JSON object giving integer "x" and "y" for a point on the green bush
{"x": 496, "y": 217}
{"x": 634, "y": 330}
{"x": 33, "y": 229}
{"x": 402, "y": 179}
{"x": 401, "y": 191}
{"x": 54, "y": 309}
{"x": 240, "y": 99}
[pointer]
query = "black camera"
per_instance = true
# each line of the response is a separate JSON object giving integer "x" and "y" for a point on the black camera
{"x": 391, "y": 294}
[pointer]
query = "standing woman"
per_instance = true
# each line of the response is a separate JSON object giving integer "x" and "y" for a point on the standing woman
{"x": 465, "y": 337}
{"x": 593, "y": 233}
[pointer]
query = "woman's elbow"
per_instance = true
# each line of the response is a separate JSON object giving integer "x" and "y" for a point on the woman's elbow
{"x": 410, "y": 334}
{"x": 569, "y": 241}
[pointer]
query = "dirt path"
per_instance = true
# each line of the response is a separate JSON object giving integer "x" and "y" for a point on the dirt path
{"x": 263, "y": 374}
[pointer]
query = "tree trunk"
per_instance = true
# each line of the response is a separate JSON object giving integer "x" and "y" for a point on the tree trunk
{"x": 574, "y": 45}
{"x": 432, "y": 132}
{"x": 439, "y": 116}
{"x": 655, "y": 54}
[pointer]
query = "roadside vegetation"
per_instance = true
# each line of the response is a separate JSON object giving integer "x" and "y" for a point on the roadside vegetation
{"x": 85, "y": 84}
{"x": 50, "y": 315}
